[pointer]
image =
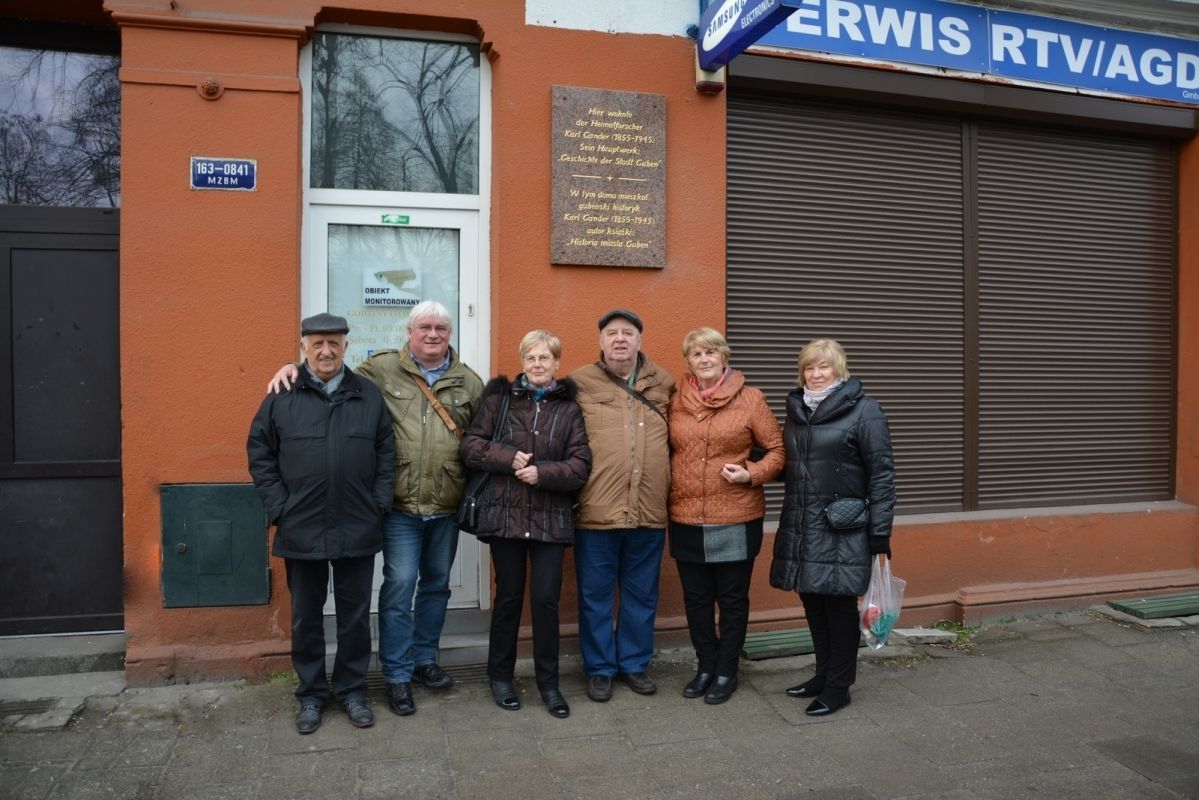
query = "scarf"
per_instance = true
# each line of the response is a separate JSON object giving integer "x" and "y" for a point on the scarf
{"x": 812, "y": 399}
{"x": 537, "y": 393}
{"x": 704, "y": 393}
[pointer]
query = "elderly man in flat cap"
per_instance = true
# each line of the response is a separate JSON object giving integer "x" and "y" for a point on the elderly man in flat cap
{"x": 322, "y": 455}
{"x": 622, "y": 515}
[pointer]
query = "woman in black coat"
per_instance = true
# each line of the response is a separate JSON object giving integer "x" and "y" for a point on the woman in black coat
{"x": 838, "y": 447}
{"x": 539, "y": 460}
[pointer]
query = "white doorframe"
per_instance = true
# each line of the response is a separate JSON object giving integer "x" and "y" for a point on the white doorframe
{"x": 468, "y": 213}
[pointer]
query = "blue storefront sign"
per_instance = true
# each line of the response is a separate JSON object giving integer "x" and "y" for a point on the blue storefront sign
{"x": 1007, "y": 44}
{"x": 233, "y": 174}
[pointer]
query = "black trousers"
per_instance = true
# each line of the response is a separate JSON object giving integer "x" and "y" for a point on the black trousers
{"x": 833, "y": 622}
{"x": 707, "y": 587}
{"x": 308, "y": 581}
{"x": 509, "y": 557}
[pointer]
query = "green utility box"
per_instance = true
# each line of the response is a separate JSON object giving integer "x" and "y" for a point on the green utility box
{"x": 214, "y": 546}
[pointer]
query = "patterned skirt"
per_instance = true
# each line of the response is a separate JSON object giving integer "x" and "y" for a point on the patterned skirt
{"x": 716, "y": 544}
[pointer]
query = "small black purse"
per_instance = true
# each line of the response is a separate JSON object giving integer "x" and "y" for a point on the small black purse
{"x": 474, "y": 495}
{"x": 847, "y": 513}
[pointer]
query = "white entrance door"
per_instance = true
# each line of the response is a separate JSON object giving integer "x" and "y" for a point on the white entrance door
{"x": 372, "y": 265}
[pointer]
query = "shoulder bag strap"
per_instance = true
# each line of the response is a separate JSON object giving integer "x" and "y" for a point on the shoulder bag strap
{"x": 438, "y": 407}
{"x": 625, "y": 385}
{"x": 503, "y": 417}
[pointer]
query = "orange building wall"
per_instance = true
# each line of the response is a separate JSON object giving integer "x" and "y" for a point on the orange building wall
{"x": 209, "y": 300}
{"x": 210, "y": 306}
{"x": 210, "y": 280}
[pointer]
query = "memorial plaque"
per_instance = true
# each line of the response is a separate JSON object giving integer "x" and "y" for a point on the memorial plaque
{"x": 609, "y": 178}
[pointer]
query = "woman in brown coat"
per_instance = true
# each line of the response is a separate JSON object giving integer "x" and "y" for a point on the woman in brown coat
{"x": 538, "y": 459}
{"x": 717, "y": 503}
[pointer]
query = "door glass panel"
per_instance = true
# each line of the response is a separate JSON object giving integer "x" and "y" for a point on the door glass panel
{"x": 60, "y": 128}
{"x": 394, "y": 114}
{"x": 65, "y": 355}
{"x": 377, "y": 273}
{"x": 373, "y": 275}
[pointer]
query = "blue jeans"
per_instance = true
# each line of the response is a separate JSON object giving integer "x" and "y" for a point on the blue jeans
{"x": 604, "y": 560}
{"x": 414, "y": 547}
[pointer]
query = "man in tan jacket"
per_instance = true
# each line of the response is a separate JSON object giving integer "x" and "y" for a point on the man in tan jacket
{"x": 622, "y": 516}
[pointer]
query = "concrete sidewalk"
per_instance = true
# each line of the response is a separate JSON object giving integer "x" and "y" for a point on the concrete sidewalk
{"x": 1069, "y": 705}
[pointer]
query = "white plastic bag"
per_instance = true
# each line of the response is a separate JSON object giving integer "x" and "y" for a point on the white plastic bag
{"x": 879, "y": 607}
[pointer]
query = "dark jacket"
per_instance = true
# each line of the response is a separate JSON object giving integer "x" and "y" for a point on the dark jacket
{"x": 552, "y": 430}
{"x": 324, "y": 467}
{"x": 842, "y": 449}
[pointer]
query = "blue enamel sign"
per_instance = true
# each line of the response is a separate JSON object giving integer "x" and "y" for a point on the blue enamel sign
{"x": 727, "y": 27}
{"x": 1006, "y": 44}
{"x": 232, "y": 174}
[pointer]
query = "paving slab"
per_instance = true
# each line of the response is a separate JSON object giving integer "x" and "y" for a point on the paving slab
{"x": 1102, "y": 782}
{"x": 680, "y": 763}
{"x": 126, "y": 783}
{"x": 498, "y": 784}
{"x": 1156, "y": 760}
{"x": 633, "y": 786}
{"x": 32, "y": 781}
{"x": 123, "y": 749}
{"x": 407, "y": 779}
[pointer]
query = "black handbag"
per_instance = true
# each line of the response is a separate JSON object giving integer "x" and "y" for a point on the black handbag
{"x": 474, "y": 495}
{"x": 847, "y": 514}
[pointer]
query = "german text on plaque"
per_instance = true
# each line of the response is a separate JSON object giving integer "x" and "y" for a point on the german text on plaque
{"x": 609, "y": 178}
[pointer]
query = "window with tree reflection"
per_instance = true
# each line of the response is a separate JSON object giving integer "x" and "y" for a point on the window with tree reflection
{"x": 394, "y": 114}
{"x": 60, "y": 128}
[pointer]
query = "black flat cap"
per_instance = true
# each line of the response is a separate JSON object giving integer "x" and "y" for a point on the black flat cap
{"x": 324, "y": 323}
{"x": 621, "y": 312}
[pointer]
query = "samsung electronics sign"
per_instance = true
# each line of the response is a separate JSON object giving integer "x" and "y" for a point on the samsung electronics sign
{"x": 1006, "y": 44}
{"x": 727, "y": 27}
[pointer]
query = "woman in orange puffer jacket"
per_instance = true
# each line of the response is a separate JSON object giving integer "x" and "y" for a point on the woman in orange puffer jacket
{"x": 717, "y": 503}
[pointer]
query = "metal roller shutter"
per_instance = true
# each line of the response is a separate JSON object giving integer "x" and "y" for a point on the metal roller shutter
{"x": 1005, "y": 291}
{"x": 849, "y": 224}
{"x": 1076, "y": 324}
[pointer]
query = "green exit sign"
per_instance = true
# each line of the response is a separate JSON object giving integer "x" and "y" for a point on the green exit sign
{"x": 395, "y": 219}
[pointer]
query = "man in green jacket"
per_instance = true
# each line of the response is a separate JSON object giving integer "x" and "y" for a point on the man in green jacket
{"x": 420, "y": 536}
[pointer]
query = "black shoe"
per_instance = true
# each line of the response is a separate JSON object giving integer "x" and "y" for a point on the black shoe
{"x": 825, "y": 704}
{"x": 360, "y": 713}
{"x": 399, "y": 699}
{"x": 639, "y": 682}
{"x": 505, "y": 695}
{"x": 698, "y": 686}
{"x": 722, "y": 689}
{"x": 432, "y": 676}
{"x": 309, "y": 718}
{"x": 809, "y": 688}
{"x": 555, "y": 703}
{"x": 599, "y": 688}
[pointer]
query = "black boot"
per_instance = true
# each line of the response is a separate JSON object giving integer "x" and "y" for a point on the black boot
{"x": 722, "y": 689}
{"x": 505, "y": 695}
{"x": 809, "y": 688}
{"x": 829, "y": 702}
{"x": 698, "y": 685}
